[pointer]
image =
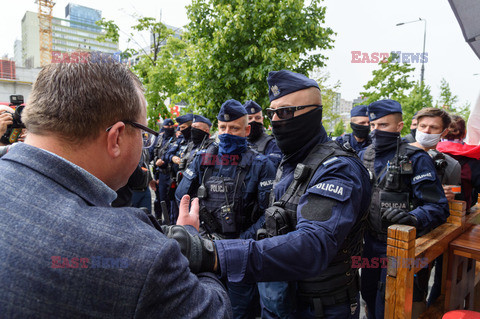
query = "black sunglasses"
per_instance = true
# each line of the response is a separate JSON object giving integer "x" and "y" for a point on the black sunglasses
{"x": 287, "y": 112}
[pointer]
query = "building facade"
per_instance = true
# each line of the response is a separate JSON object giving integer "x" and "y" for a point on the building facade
{"x": 76, "y": 33}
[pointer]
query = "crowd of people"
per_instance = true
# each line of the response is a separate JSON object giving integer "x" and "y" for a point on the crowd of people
{"x": 244, "y": 223}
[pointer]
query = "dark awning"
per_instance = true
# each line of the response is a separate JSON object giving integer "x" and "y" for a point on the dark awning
{"x": 468, "y": 16}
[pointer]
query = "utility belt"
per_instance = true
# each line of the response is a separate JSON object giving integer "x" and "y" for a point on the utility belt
{"x": 348, "y": 295}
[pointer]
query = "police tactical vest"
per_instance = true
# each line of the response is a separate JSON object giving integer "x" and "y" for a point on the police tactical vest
{"x": 223, "y": 209}
{"x": 191, "y": 151}
{"x": 339, "y": 282}
{"x": 261, "y": 144}
{"x": 384, "y": 197}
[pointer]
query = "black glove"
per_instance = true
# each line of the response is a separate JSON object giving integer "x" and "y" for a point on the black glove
{"x": 398, "y": 216}
{"x": 200, "y": 252}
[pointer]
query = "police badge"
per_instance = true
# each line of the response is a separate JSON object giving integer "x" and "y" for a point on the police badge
{"x": 275, "y": 90}
{"x": 226, "y": 117}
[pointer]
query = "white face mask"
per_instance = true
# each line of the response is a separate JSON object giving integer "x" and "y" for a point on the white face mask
{"x": 427, "y": 140}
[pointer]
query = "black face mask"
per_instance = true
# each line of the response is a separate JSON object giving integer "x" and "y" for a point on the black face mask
{"x": 169, "y": 131}
{"x": 187, "y": 132}
{"x": 360, "y": 131}
{"x": 413, "y": 131}
{"x": 384, "y": 141}
{"x": 198, "y": 136}
{"x": 292, "y": 134}
{"x": 256, "y": 131}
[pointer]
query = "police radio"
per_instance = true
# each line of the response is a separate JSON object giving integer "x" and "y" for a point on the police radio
{"x": 399, "y": 165}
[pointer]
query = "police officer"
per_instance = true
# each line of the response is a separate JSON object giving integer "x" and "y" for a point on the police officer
{"x": 199, "y": 140}
{"x": 258, "y": 139}
{"x": 321, "y": 198}
{"x": 413, "y": 130}
{"x": 406, "y": 191}
{"x": 359, "y": 139}
{"x": 161, "y": 174}
{"x": 233, "y": 183}
{"x": 173, "y": 157}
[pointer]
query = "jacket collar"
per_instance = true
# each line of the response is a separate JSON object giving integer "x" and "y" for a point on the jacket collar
{"x": 72, "y": 177}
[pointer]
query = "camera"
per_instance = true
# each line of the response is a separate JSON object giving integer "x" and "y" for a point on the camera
{"x": 15, "y": 129}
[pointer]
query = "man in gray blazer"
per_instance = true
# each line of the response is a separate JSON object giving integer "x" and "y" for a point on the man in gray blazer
{"x": 64, "y": 251}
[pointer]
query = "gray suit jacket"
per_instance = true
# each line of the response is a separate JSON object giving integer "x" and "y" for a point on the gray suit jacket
{"x": 64, "y": 252}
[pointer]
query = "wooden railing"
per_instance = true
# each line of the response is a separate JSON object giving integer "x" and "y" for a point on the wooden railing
{"x": 407, "y": 255}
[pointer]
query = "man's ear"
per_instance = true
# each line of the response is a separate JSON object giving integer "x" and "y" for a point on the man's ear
{"x": 115, "y": 134}
{"x": 400, "y": 126}
{"x": 247, "y": 130}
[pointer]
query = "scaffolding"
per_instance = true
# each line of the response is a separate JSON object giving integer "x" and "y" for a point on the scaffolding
{"x": 45, "y": 25}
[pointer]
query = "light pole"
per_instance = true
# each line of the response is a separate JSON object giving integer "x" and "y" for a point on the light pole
{"x": 424, "y": 39}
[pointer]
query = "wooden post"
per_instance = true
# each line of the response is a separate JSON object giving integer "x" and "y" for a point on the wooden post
{"x": 400, "y": 271}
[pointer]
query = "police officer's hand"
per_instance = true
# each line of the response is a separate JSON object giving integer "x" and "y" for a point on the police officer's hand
{"x": 200, "y": 252}
{"x": 398, "y": 216}
{"x": 176, "y": 160}
{"x": 159, "y": 162}
{"x": 153, "y": 184}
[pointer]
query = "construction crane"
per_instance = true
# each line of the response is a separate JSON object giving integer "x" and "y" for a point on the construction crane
{"x": 45, "y": 25}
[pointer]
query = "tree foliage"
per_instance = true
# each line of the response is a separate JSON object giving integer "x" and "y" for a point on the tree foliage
{"x": 235, "y": 43}
{"x": 390, "y": 81}
{"x": 159, "y": 67}
{"x": 339, "y": 129}
{"x": 449, "y": 101}
{"x": 329, "y": 97}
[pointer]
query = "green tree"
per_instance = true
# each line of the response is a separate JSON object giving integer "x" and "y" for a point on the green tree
{"x": 236, "y": 43}
{"x": 339, "y": 129}
{"x": 419, "y": 97}
{"x": 159, "y": 68}
{"x": 449, "y": 101}
{"x": 390, "y": 81}
{"x": 329, "y": 97}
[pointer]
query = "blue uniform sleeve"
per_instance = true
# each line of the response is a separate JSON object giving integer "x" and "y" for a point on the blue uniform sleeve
{"x": 308, "y": 250}
{"x": 265, "y": 170}
{"x": 190, "y": 176}
{"x": 171, "y": 151}
{"x": 428, "y": 196}
{"x": 273, "y": 152}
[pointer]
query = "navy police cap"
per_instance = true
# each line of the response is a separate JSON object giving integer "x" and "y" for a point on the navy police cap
{"x": 252, "y": 107}
{"x": 231, "y": 110}
{"x": 184, "y": 118}
{"x": 202, "y": 119}
{"x": 284, "y": 82}
{"x": 359, "y": 110}
{"x": 167, "y": 122}
{"x": 383, "y": 108}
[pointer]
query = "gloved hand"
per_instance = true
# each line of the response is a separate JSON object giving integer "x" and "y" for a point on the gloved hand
{"x": 398, "y": 216}
{"x": 200, "y": 252}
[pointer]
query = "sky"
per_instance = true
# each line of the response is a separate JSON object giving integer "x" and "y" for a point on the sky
{"x": 367, "y": 26}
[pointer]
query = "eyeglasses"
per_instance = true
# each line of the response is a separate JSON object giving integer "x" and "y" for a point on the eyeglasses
{"x": 148, "y": 135}
{"x": 287, "y": 112}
